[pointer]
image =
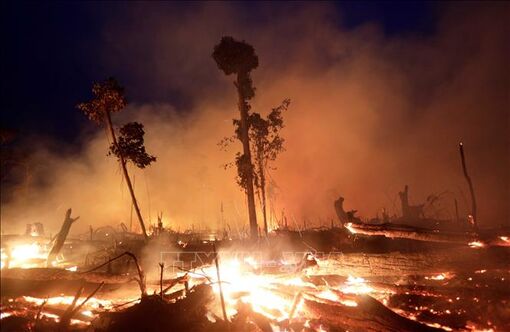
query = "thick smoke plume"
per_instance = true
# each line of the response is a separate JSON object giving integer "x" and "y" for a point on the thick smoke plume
{"x": 370, "y": 113}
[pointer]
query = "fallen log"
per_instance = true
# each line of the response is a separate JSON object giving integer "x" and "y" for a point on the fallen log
{"x": 430, "y": 235}
{"x": 397, "y": 263}
{"x": 367, "y": 315}
{"x": 46, "y": 281}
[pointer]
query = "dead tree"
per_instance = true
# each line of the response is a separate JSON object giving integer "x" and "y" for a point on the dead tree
{"x": 235, "y": 57}
{"x": 345, "y": 216}
{"x": 61, "y": 237}
{"x": 470, "y": 184}
{"x": 410, "y": 212}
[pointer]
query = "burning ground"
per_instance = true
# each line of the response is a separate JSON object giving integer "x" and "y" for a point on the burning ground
{"x": 423, "y": 287}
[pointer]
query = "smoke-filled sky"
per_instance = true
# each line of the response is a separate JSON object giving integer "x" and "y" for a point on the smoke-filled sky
{"x": 379, "y": 99}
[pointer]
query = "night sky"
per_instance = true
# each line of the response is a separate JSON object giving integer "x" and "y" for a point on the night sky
{"x": 51, "y": 53}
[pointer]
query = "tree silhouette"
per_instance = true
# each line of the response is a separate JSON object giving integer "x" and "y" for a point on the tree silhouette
{"x": 130, "y": 145}
{"x": 109, "y": 98}
{"x": 239, "y": 58}
{"x": 267, "y": 144}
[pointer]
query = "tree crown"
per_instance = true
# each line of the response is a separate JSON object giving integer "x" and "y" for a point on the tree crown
{"x": 131, "y": 145}
{"x": 108, "y": 97}
{"x": 234, "y": 56}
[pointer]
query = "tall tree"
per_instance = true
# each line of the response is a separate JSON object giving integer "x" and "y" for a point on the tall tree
{"x": 109, "y": 98}
{"x": 266, "y": 144}
{"x": 239, "y": 58}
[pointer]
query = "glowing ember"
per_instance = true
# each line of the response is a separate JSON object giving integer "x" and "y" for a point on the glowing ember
{"x": 441, "y": 276}
{"x": 93, "y": 303}
{"x": 356, "y": 286}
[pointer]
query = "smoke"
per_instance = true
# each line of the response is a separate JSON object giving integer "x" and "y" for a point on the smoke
{"x": 370, "y": 113}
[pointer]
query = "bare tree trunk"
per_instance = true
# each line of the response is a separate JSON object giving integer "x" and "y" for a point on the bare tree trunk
{"x": 471, "y": 190}
{"x": 245, "y": 138}
{"x": 219, "y": 283}
{"x": 126, "y": 176}
{"x": 61, "y": 237}
{"x": 263, "y": 192}
{"x": 264, "y": 213}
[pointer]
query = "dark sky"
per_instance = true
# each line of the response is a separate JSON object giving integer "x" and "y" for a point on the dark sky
{"x": 51, "y": 53}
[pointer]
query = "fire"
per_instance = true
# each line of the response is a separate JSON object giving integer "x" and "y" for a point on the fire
{"x": 329, "y": 295}
{"x": 280, "y": 297}
{"x": 476, "y": 244}
{"x": 24, "y": 255}
{"x": 350, "y": 228}
{"x": 3, "y": 258}
{"x": 27, "y": 255}
{"x": 28, "y": 305}
{"x": 5, "y": 315}
{"x": 356, "y": 286}
{"x": 239, "y": 283}
{"x": 93, "y": 303}
{"x": 441, "y": 276}
{"x": 273, "y": 295}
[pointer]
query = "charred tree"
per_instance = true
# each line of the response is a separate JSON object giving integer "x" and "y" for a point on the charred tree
{"x": 345, "y": 216}
{"x": 410, "y": 212}
{"x": 239, "y": 58}
{"x": 109, "y": 98}
{"x": 61, "y": 237}
{"x": 473, "y": 220}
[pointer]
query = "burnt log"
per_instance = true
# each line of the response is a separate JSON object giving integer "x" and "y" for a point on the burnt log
{"x": 430, "y": 235}
{"x": 53, "y": 281}
{"x": 422, "y": 263}
{"x": 367, "y": 315}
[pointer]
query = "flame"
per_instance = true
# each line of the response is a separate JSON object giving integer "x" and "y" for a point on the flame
{"x": 3, "y": 258}
{"x": 350, "y": 228}
{"x": 92, "y": 303}
{"x": 276, "y": 296}
{"x": 25, "y": 255}
{"x": 28, "y": 255}
{"x": 5, "y": 315}
{"x": 329, "y": 295}
{"x": 239, "y": 283}
{"x": 476, "y": 244}
{"x": 356, "y": 285}
{"x": 441, "y": 276}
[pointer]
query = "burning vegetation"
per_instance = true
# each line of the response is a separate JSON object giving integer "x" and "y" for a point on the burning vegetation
{"x": 408, "y": 272}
